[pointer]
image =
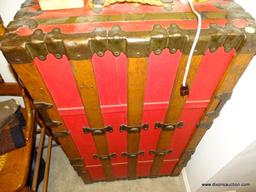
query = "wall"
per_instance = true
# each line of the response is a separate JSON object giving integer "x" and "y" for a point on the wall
{"x": 231, "y": 133}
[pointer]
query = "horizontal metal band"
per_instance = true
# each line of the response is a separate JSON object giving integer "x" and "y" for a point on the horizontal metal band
{"x": 23, "y": 49}
{"x": 131, "y": 17}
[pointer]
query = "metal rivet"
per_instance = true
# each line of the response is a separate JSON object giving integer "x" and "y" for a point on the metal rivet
{"x": 212, "y": 49}
{"x": 116, "y": 53}
{"x": 41, "y": 57}
{"x": 100, "y": 53}
{"x": 173, "y": 50}
{"x": 227, "y": 49}
{"x": 157, "y": 51}
{"x": 250, "y": 30}
{"x": 58, "y": 55}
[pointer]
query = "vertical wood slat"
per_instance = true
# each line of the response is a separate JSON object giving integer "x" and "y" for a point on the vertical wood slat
{"x": 233, "y": 73}
{"x": 137, "y": 72}
{"x": 2, "y": 28}
{"x": 84, "y": 75}
{"x": 175, "y": 108}
{"x": 31, "y": 77}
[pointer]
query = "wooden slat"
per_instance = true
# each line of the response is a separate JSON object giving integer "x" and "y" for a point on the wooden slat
{"x": 84, "y": 75}
{"x": 137, "y": 72}
{"x": 2, "y": 28}
{"x": 175, "y": 108}
{"x": 30, "y": 76}
{"x": 234, "y": 71}
{"x": 10, "y": 89}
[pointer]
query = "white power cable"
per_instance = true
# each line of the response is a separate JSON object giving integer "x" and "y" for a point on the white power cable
{"x": 199, "y": 25}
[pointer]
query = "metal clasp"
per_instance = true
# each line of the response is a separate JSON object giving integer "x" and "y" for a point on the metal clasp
{"x": 98, "y": 131}
{"x": 134, "y": 129}
{"x": 168, "y": 126}
{"x": 104, "y": 157}
{"x": 132, "y": 155}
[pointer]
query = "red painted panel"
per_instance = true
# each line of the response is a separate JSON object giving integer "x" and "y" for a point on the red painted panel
{"x": 161, "y": 74}
{"x": 59, "y": 79}
{"x": 167, "y": 167}
{"x": 120, "y": 170}
{"x": 111, "y": 77}
{"x": 143, "y": 168}
{"x": 211, "y": 70}
{"x": 180, "y": 138}
{"x": 160, "y": 77}
{"x": 61, "y": 84}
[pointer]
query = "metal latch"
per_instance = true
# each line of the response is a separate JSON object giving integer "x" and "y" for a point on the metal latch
{"x": 168, "y": 126}
{"x": 98, "y": 131}
{"x": 104, "y": 157}
{"x": 159, "y": 153}
{"x": 134, "y": 129}
{"x": 132, "y": 155}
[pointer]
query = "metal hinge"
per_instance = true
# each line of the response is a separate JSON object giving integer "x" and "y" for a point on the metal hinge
{"x": 168, "y": 126}
{"x": 223, "y": 97}
{"x": 98, "y": 131}
{"x": 104, "y": 157}
{"x": 132, "y": 155}
{"x": 60, "y": 134}
{"x": 159, "y": 153}
{"x": 134, "y": 129}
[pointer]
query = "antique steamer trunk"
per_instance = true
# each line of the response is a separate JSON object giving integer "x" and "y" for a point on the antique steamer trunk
{"x": 107, "y": 80}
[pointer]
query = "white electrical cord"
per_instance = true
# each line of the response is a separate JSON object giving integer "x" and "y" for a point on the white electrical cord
{"x": 199, "y": 25}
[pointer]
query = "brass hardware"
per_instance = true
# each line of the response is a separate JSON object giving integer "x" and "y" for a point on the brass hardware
{"x": 133, "y": 129}
{"x": 159, "y": 153}
{"x": 60, "y": 134}
{"x": 117, "y": 41}
{"x": 98, "y": 41}
{"x": 168, "y": 126}
{"x": 42, "y": 107}
{"x": 98, "y": 131}
{"x": 132, "y": 155}
{"x": 104, "y": 157}
{"x": 223, "y": 97}
{"x": 158, "y": 39}
{"x": 23, "y": 49}
{"x": 37, "y": 46}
